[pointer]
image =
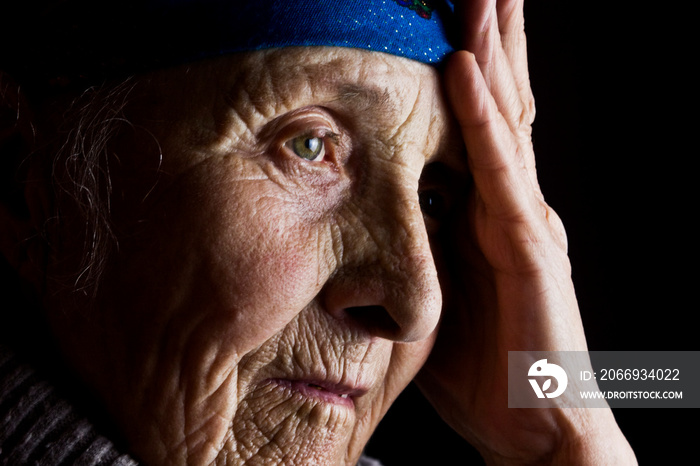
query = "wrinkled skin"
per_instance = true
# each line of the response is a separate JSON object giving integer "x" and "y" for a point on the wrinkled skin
{"x": 247, "y": 275}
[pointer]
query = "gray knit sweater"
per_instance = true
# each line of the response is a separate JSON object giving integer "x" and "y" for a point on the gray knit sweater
{"x": 38, "y": 427}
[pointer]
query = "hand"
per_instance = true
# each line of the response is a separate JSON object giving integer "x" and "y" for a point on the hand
{"x": 505, "y": 272}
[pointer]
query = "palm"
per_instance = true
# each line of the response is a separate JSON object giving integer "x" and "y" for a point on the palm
{"x": 488, "y": 313}
{"x": 507, "y": 286}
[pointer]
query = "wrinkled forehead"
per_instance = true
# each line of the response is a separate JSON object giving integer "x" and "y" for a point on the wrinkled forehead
{"x": 280, "y": 80}
{"x": 261, "y": 85}
{"x": 231, "y": 99}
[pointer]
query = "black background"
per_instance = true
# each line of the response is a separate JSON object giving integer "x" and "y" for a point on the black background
{"x": 617, "y": 113}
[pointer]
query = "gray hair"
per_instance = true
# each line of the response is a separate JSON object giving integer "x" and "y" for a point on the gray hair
{"x": 81, "y": 177}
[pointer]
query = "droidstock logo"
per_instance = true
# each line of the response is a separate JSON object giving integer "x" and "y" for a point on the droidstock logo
{"x": 543, "y": 369}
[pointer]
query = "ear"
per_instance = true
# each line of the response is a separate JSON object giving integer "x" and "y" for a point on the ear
{"x": 24, "y": 188}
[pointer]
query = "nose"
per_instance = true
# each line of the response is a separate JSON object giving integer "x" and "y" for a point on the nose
{"x": 386, "y": 281}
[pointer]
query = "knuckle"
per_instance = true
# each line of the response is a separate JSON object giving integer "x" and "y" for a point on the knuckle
{"x": 556, "y": 226}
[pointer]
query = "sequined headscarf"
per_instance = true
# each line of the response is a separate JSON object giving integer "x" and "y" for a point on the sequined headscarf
{"x": 103, "y": 37}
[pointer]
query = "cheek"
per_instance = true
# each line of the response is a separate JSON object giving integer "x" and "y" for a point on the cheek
{"x": 224, "y": 251}
{"x": 266, "y": 264}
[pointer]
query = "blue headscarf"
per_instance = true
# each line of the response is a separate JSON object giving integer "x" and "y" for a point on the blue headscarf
{"x": 408, "y": 28}
{"x": 106, "y": 37}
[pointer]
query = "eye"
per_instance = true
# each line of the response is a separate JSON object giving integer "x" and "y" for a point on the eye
{"x": 441, "y": 187}
{"x": 433, "y": 203}
{"x": 308, "y": 147}
{"x": 313, "y": 147}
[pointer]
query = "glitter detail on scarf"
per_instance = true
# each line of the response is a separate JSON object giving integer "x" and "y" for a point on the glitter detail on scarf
{"x": 423, "y": 8}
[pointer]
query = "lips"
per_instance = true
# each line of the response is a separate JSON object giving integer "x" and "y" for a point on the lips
{"x": 334, "y": 393}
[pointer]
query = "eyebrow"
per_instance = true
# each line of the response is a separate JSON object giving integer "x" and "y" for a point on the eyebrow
{"x": 365, "y": 97}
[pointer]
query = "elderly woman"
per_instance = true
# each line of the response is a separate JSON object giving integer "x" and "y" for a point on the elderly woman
{"x": 241, "y": 240}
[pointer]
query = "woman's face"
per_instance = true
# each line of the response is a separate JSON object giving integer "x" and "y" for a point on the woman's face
{"x": 274, "y": 288}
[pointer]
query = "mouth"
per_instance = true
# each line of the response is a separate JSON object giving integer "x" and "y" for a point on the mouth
{"x": 332, "y": 393}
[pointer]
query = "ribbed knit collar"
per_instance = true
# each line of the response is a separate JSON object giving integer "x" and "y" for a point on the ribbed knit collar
{"x": 39, "y": 427}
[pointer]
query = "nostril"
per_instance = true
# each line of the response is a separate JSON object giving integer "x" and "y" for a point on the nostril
{"x": 375, "y": 319}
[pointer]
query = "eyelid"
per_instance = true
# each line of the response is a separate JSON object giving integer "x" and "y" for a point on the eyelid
{"x": 320, "y": 133}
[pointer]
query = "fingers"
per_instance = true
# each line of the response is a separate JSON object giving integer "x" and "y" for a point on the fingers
{"x": 478, "y": 19}
{"x": 495, "y": 159}
{"x": 505, "y": 182}
{"x": 511, "y": 24}
{"x": 494, "y": 32}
